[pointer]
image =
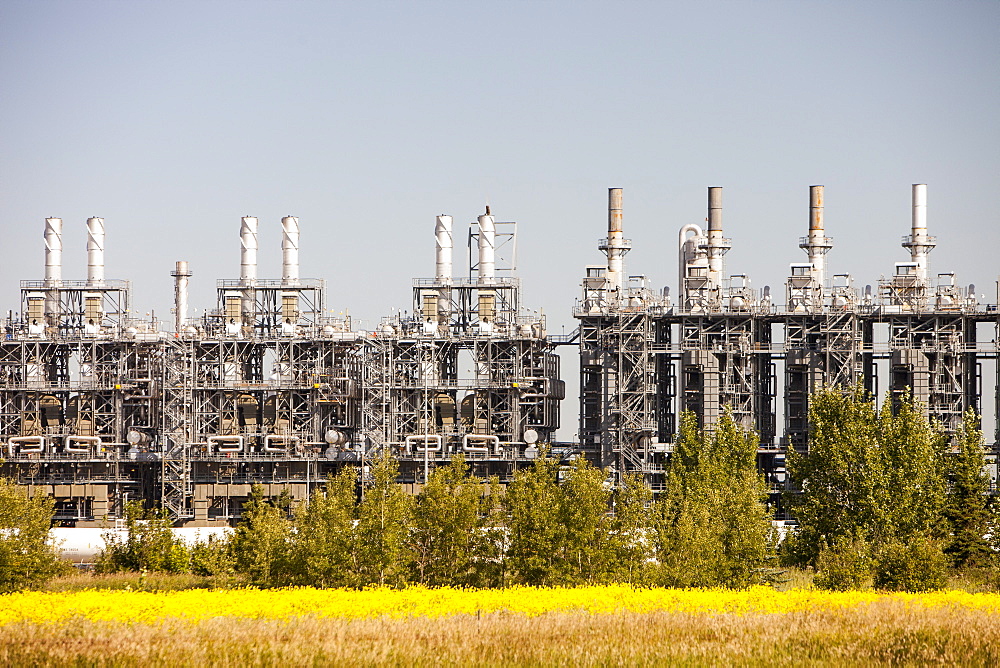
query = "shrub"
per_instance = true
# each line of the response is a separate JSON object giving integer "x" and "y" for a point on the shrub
{"x": 27, "y": 557}
{"x": 846, "y": 566}
{"x": 917, "y": 565}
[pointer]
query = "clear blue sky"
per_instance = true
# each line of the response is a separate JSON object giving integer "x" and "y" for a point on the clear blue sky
{"x": 173, "y": 119}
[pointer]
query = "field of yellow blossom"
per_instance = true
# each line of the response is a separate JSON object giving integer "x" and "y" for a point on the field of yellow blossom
{"x": 612, "y": 625}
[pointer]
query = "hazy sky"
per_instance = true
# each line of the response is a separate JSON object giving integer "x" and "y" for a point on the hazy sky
{"x": 173, "y": 119}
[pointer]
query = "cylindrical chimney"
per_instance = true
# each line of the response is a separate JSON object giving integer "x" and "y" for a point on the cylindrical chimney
{"x": 616, "y": 241}
{"x": 248, "y": 256}
{"x": 289, "y": 250}
{"x": 716, "y": 247}
{"x": 53, "y": 251}
{"x": 715, "y": 210}
{"x": 95, "y": 251}
{"x": 181, "y": 275}
{"x": 444, "y": 245}
{"x": 919, "y": 243}
{"x": 487, "y": 246}
{"x": 817, "y": 248}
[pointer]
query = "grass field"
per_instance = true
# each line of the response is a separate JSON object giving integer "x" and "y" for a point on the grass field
{"x": 581, "y": 626}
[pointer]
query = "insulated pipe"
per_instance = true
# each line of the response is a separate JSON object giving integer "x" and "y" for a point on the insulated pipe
{"x": 487, "y": 246}
{"x": 248, "y": 256}
{"x": 445, "y": 244}
{"x": 289, "y": 250}
{"x": 181, "y": 275}
{"x": 919, "y": 243}
{"x": 53, "y": 251}
{"x": 616, "y": 241}
{"x": 95, "y": 252}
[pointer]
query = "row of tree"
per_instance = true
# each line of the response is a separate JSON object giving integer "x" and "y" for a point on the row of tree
{"x": 555, "y": 523}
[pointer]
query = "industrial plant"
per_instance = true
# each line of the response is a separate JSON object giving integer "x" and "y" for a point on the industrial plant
{"x": 98, "y": 408}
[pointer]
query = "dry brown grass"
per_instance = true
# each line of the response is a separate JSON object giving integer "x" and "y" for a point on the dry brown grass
{"x": 887, "y": 632}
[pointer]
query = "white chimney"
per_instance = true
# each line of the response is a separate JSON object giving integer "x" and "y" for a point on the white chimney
{"x": 487, "y": 247}
{"x": 444, "y": 245}
{"x": 248, "y": 256}
{"x": 289, "y": 250}
{"x": 95, "y": 252}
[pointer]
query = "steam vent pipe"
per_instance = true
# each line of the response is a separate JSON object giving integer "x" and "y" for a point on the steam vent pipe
{"x": 181, "y": 275}
{"x": 444, "y": 245}
{"x": 487, "y": 246}
{"x": 919, "y": 243}
{"x": 289, "y": 250}
{"x": 95, "y": 252}
{"x": 616, "y": 241}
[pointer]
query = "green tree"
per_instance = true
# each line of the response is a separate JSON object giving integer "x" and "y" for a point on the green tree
{"x": 967, "y": 508}
{"x": 27, "y": 556}
{"x": 449, "y": 540}
{"x": 534, "y": 533}
{"x": 869, "y": 475}
{"x": 630, "y": 545}
{"x": 260, "y": 543}
{"x": 383, "y": 526}
{"x": 585, "y": 554}
{"x": 323, "y": 546}
{"x": 712, "y": 527}
{"x": 148, "y": 544}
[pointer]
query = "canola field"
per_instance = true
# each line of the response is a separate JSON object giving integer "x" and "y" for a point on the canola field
{"x": 611, "y": 625}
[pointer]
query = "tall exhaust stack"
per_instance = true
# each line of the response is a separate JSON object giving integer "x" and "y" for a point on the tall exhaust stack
{"x": 487, "y": 247}
{"x": 817, "y": 244}
{"x": 290, "y": 251}
{"x": 95, "y": 252}
{"x": 248, "y": 265}
{"x": 717, "y": 246}
{"x": 444, "y": 243}
{"x": 53, "y": 269}
{"x": 919, "y": 243}
{"x": 181, "y": 274}
{"x": 616, "y": 246}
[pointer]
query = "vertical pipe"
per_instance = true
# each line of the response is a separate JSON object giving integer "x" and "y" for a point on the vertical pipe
{"x": 716, "y": 248}
{"x": 95, "y": 252}
{"x": 816, "y": 233}
{"x": 919, "y": 242}
{"x": 444, "y": 245}
{"x": 289, "y": 250}
{"x": 53, "y": 251}
{"x": 248, "y": 255}
{"x": 616, "y": 241}
{"x": 181, "y": 275}
{"x": 487, "y": 247}
{"x": 53, "y": 270}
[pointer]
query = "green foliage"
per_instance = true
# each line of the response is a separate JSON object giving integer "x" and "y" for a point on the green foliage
{"x": 967, "y": 509}
{"x": 558, "y": 534}
{"x": 869, "y": 473}
{"x": 846, "y": 566}
{"x": 916, "y": 565}
{"x": 27, "y": 558}
{"x": 148, "y": 545}
{"x": 450, "y": 540}
{"x": 212, "y": 558}
{"x": 260, "y": 544}
{"x": 383, "y": 527}
{"x": 324, "y": 543}
{"x": 630, "y": 548}
{"x": 712, "y": 527}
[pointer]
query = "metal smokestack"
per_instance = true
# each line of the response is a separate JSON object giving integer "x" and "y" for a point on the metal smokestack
{"x": 53, "y": 251}
{"x": 444, "y": 244}
{"x": 181, "y": 275}
{"x": 95, "y": 252}
{"x": 616, "y": 246}
{"x": 248, "y": 255}
{"x": 487, "y": 246}
{"x": 919, "y": 243}
{"x": 717, "y": 246}
{"x": 289, "y": 250}
{"x": 817, "y": 244}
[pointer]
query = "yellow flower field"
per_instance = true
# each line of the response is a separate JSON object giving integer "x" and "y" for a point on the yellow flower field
{"x": 196, "y": 605}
